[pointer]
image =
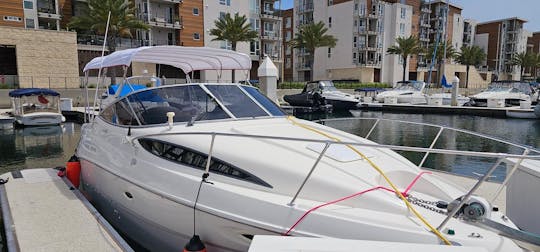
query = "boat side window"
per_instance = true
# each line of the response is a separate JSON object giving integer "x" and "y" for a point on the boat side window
{"x": 124, "y": 114}
{"x": 236, "y": 101}
{"x": 264, "y": 101}
{"x": 108, "y": 115}
{"x": 197, "y": 160}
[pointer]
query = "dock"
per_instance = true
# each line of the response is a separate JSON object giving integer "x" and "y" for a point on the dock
{"x": 437, "y": 109}
{"x": 43, "y": 212}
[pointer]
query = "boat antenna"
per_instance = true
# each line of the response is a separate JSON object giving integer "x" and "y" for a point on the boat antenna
{"x": 101, "y": 64}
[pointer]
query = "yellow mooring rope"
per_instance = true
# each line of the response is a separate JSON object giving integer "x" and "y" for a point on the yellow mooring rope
{"x": 398, "y": 193}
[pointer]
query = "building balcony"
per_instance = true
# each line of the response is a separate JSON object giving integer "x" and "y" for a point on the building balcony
{"x": 303, "y": 22}
{"x": 161, "y": 22}
{"x": 366, "y": 63}
{"x": 424, "y": 39}
{"x": 425, "y": 10}
{"x": 363, "y": 31}
{"x": 48, "y": 13}
{"x": 303, "y": 66}
{"x": 95, "y": 42}
{"x": 305, "y": 8}
{"x": 425, "y": 24}
{"x": 269, "y": 17}
{"x": 270, "y": 36}
{"x": 370, "y": 48}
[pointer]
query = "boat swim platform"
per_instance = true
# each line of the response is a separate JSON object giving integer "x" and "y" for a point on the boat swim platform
{"x": 42, "y": 212}
{"x": 440, "y": 109}
{"x": 268, "y": 243}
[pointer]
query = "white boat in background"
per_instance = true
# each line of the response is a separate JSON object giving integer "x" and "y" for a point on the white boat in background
{"x": 36, "y": 107}
{"x": 405, "y": 92}
{"x": 511, "y": 92}
{"x": 326, "y": 90}
{"x": 447, "y": 98}
{"x": 222, "y": 161}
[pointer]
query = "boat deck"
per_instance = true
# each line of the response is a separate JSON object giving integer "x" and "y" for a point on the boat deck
{"x": 41, "y": 213}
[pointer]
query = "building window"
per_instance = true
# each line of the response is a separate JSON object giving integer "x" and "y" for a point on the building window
{"x": 354, "y": 41}
{"x": 225, "y": 45}
{"x": 28, "y": 5}
{"x": 222, "y": 15}
{"x": 288, "y": 50}
{"x": 402, "y": 29}
{"x": 195, "y": 11}
{"x": 288, "y": 22}
{"x": 403, "y": 13}
{"x": 329, "y": 52}
{"x": 30, "y": 23}
{"x": 255, "y": 24}
{"x": 288, "y": 36}
{"x": 254, "y": 48}
{"x": 330, "y": 22}
{"x": 225, "y": 2}
{"x": 197, "y": 160}
{"x": 287, "y": 62}
{"x": 196, "y": 36}
{"x": 330, "y": 2}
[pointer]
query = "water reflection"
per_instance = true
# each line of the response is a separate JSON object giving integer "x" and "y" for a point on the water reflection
{"x": 525, "y": 132}
{"x": 33, "y": 147}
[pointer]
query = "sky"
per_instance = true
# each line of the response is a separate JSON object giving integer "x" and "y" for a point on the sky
{"x": 486, "y": 10}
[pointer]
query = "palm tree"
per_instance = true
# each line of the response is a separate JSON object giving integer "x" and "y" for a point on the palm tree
{"x": 233, "y": 29}
{"x": 523, "y": 60}
{"x": 472, "y": 55}
{"x": 439, "y": 56}
{"x": 312, "y": 36}
{"x": 404, "y": 48}
{"x": 122, "y": 21}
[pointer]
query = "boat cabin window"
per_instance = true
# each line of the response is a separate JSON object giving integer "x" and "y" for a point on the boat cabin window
{"x": 236, "y": 101}
{"x": 188, "y": 102}
{"x": 264, "y": 101}
{"x": 197, "y": 160}
{"x": 327, "y": 86}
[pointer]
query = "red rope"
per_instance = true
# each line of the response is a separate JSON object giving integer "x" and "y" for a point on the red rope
{"x": 414, "y": 182}
{"x": 354, "y": 195}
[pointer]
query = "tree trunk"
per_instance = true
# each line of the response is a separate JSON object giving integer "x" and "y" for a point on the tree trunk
{"x": 467, "y": 80}
{"x": 233, "y": 46}
{"x": 404, "y": 66}
{"x": 312, "y": 63}
{"x": 522, "y": 72}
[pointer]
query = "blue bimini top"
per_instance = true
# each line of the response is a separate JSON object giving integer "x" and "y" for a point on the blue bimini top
{"x": 32, "y": 91}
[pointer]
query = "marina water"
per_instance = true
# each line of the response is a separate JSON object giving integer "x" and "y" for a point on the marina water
{"x": 52, "y": 146}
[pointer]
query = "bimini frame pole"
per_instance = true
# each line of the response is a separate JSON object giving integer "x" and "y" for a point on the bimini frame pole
{"x": 87, "y": 104}
{"x": 101, "y": 64}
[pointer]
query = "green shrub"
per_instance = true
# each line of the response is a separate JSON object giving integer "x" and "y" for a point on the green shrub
{"x": 5, "y": 86}
{"x": 340, "y": 85}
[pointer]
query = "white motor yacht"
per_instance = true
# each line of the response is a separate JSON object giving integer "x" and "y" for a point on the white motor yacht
{"x": 222, "y": 161}
{"x": 406, "y": 92}
{"x": 512, "y": 92}
{"x": 36, "y": 107}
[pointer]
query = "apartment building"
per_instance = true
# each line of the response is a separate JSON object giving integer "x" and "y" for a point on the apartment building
{"x": 469, "y": 31}
{"x": 265, "y": 17}
{"x": 501, "y": 39}
{"x": 33, "y": 52}
{"x": 288, "y": 35}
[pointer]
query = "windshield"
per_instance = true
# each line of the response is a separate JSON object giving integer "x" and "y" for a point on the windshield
{"x": 409, "y": 86}
{"x": 513, "y": 87}
{"x": 327, "y": 86}
{"x": 190, "y": 103}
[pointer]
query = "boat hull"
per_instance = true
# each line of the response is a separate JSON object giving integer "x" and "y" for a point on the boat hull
{"x": 40, "y": 119}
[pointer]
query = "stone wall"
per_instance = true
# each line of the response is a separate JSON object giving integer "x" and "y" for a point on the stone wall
{"x": 45, "y": 58}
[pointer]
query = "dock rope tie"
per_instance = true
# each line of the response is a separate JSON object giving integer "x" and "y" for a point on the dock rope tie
{"x": 381, "y": 172}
